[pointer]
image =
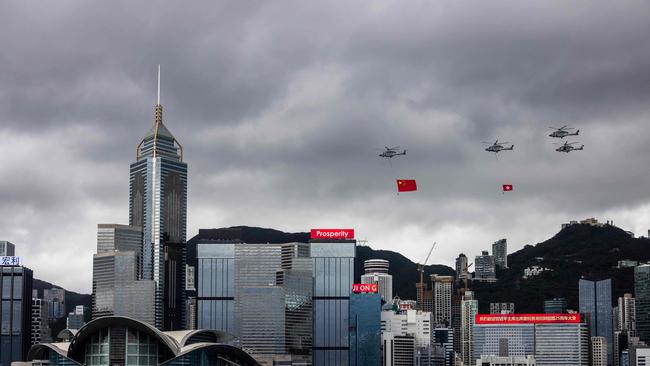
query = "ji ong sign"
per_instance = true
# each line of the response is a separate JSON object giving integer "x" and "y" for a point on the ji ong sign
{"x": 339, "y": 234}
{"x": 365, "y": 288}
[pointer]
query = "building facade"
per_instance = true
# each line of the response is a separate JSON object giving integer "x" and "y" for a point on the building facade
{"x": 502, "y": 308}
{"x": 500, "y": 253}
{"x": 484, "y": 268}
{"x": 469, "y": 310}
{"x": 55, "y": 299}
{"x": 158, "y": 204}
{"x": 461, "y": 268}
{"x": 7, "y": 249}
{"x": 596, "y": 304}
{"x": 504, "y": 340}
{"x": 365, "y": 329}
{"x": 625, "y": 314}
{"x": 642, "y": 297}
{"x": 15, "y": 313}
{"x": 333, "y": 266}
{"x": 598, "y": 351}
{"x": 561, "y": 344}
{"x": 555, "y": 306}
{"x": 41, "y": 332}
{"x": 376, "y": 271}
{"x": 443, "y": 288}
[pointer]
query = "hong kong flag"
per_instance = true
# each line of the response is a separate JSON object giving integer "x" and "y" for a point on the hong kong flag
{"x": 406, "y": 185}
{"x": 507, "y": 187}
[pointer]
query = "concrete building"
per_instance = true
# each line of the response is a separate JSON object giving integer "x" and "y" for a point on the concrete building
{"x": 502, "y": 308}
{"x": 76, "y": 318}
{"x": 561, "y": 344}
{"x": 333, "y": 266}
{"x": 461, "y": 268}
{"x": 41, "y": 332}
{"x": 500, "y": 253}
{"x": 555, "y": 306}
{"x": 596, "y": 304}
{"x": 598, "y": 351}
{"x": 506, "y": 361}
{"x": 402, "y": 333}
{"x": 443, "y": 288}
{"x": 642, "y": 301}
{"x": 158, "y": 204}
{"x": 376, "y": 271}
{"x": 443, "y": 338}
{"x": 469, "y": 310}
{"x": 55, "y": 299}
{"x": 625, "y": 314}
{"x": 484, "y": 268}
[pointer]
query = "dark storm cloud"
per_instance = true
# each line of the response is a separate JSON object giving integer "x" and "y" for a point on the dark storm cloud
{"x": 282, "y": 106}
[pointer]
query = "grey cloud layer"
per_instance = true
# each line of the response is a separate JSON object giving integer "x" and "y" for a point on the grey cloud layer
{"x": 281, "y": 105}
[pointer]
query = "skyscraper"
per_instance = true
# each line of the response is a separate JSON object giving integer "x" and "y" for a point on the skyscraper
{"x": 469, "y": 309}
{"x": 158, "y": 204}
{"x": 365, "y": 329}
{"x": 596, "y": 303}
{"x": 555, "y": 306}
{"x": 625, "y": 314}
{"x": 598, "y": 351}
{"x": 15, "y": 313}
{"x": 40, "y": 326}
{"x": 55, "y": 299}
{"x": 442, "y": 290}
{"x": 642, "y": 296}
{"x": 376, "y": 271}
{"x": 7, "y": 249}
{"x": 461, "y": 268}
{"x": 500, "y": 253}
{"x": 484, "y": 268}
{"x": 333, "y": 265}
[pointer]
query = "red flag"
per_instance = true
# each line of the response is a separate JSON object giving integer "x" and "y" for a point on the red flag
{"x": 507, "y": 187}
{"x": 406, "y": 185}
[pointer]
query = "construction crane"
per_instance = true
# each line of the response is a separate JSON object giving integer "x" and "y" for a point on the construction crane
{"x": 466, "y": 276}
{"x": 424, "y": 263}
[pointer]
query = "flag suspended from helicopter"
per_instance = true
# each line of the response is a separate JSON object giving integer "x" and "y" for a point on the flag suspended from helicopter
{"x": 506, "y": 188}
{"x": 406, "y": 185}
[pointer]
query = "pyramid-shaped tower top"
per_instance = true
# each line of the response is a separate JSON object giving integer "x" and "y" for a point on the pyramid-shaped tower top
{"x": 159, "y": 141}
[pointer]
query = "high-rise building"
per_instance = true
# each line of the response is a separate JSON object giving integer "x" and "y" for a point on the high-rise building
{"x": 456, "y": 300}
{"x": 503, "y": 339}
{"x": 500, "y": 253}
{"x": 402, "y": 333}
{"x": 41, "y": 332}
{"x": 484, "y": 267}
{"x": 365, "y": 329}
{"x": 7, "y": 249}
{"x": 625, "y": 314}
{"x": 461, "y": 268}
{"x": 502, "y": 308}
{"x": 333, "y": 265}
{"x": 376, "y": 271}
{"x": 468, "y": 312}
{"x": 444, "y": 338}
{"x": 598, "y": 351}
{"x": 215, "y": 286}
{"x": 596, "y": 304}
{"x": 55, "y": 299}
{"x": 559, "y": 344}
{"x": 642, "y": 303}
{"x": 158, "y": 204}
{"x": 15, "y": 313}
{"x": 76, "y": 318}
{"x": 555, "y": 306}
{"x": 443, "y": 287}
{"x": 424, "y": 300}
{"x": 399, "y": 350}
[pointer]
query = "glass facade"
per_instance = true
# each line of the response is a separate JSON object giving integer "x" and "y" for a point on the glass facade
{"x": 215, "y": 282}
{"x": 642, "y": 298}
{"x": 562, "y": 344}
{"x": 333, "y": 277}
{"x": 596, "y": 304}
{"x": 503, "y": 340}
{"x": 365, "y": 329}
{"x": 158, "y": 204}
{"x": 15, "y": 313}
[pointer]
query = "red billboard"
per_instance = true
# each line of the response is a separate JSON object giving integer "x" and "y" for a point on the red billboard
{"x": 527, "y": 318}
{"x": 338, "y": 234}
{"x": 361, "y": 288}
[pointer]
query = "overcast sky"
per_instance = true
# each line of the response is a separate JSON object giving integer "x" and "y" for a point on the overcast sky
{"x": 281, "y": 107}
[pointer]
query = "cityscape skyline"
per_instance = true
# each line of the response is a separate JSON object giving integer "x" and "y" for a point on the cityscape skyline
{"x": 292, "y": 130}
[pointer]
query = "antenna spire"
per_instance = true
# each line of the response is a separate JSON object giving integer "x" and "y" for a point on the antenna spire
{"x": 158, "y": 84}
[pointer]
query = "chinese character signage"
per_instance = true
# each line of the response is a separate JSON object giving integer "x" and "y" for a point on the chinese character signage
{"x": 361, "y": 288}
{"x": 9, "y": 261}
{"x": 338, "y": 234}
{"x": 527, "y": 318}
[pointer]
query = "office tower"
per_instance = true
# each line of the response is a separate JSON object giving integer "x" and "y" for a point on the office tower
{"x": 442, "y": 290}
{"x": 158, "y": 204}
{"x": 124, "y": 238}
{"x": 55, "y": 299}
{"x": 639, "y": 356}
{"x": 424, "y": 300}
{"x": 76, "y": 318}
{"x": 7, "y": 249}
{"x": 456, "y": 300}
{"x": 506, "y": 361}
{"x": 560, "y": 344}
{"x": 403, "y": 332}
{"x": 41, "y": 332}
{"x": 333, "y": 265}
{"x": 596, "y": 303}
{"x": 15, "y": 313}
{"x": 502, "y": 308}
{"x": 642, "y": 303}
{"x": 469, "y": 309}
{"x": 461, "y": 268}
{"x": 376, "y": 271}
{"x": 444, "y": 338}
{"x": 625, "y": 314}
{"x": 365, "y": 329}
{"x": 215, "y": 285}
{"x": 399, "y": 350}
{"x": 500, "y": 253}
{"x": 555, "y": 306}
{"x": 598, "y": 351}
{"x": 484, "y": 267}
{"x": 502, "y": 338}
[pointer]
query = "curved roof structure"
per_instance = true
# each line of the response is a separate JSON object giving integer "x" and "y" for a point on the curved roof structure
{"x": 67, "y": 334}
{"x": 177, "y": 345}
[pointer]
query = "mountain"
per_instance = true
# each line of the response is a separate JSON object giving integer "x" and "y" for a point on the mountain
{"x": 577, "y": 251}
{"x": 72, "y": 298}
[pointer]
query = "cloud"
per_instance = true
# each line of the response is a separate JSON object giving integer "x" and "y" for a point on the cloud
{"x": 281, "y": 108}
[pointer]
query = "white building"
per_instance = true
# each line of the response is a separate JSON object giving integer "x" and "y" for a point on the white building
{"x": 443, "y": 287}
{"x": 625, "y": 314}
{"x": 403, "y": 332}
{"x": 376, "y": 271}
{"x": 598, "y": 351}
{"x": 506, "y": 361}
{"x": 468, "y": 311}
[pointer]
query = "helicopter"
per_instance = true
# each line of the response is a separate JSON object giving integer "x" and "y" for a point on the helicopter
{"x": 498, "y": 146}
{"x": 568, "y": 147}
{"x": 563, "y": 132}
{"x": 391, "y": 152}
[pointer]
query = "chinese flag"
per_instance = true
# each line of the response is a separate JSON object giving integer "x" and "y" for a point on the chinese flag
{"x": 406, "y": 185}
{"x": 507, "y": 187}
